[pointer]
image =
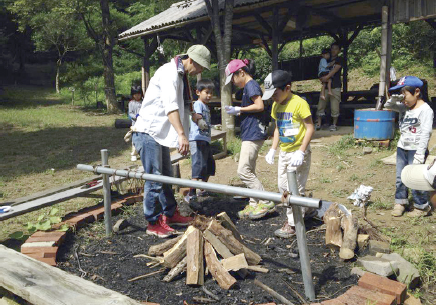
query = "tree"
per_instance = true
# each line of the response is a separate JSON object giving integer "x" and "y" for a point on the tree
{"x": 223, "y": 38}
{"x": 104, "y": 41}
{"x": 53, "y": 25}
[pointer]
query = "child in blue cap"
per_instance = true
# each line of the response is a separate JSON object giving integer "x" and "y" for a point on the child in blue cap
{"x": 415, "y": 123}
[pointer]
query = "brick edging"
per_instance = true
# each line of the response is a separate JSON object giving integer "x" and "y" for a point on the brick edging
{"x": 43, "y": 245}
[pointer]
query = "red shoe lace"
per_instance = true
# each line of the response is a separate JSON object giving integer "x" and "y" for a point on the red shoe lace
{"x": 163, "y": 221}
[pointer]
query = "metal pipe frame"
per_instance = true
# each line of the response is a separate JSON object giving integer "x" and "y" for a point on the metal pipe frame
{"x": 213, "y": 187}
{"x": 106, "y": 194}
{"x": 300, "y": 231}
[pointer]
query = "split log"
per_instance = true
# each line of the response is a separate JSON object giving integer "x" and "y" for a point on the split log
{"x": 217, "y": 244}
{"x": 332, "y": 219}
{"x": 222, "y": 249}
{"x": 235, "y": 263}
{"x": 350, "y": 226}
{"x": 194, "y": 258}
{"x": 227, "y": 223}
{"x": 273, "y": 293}
{"x": 158, "y": 250}
{"x": 174, "y": 255}
{"x": 235, "y": 246}
{"x": 258, "y": 269}
{"x": 179, "y": 268}
{"x": 221, "y": 275}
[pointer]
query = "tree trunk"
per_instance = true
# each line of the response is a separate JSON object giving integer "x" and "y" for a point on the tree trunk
{"x": 108, "y": 71}
{"x": 223, "y": 47}
{"x": 58, "y": 68}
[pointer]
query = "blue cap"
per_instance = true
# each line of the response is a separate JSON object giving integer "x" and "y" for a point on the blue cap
{"x": 411, "y": 81}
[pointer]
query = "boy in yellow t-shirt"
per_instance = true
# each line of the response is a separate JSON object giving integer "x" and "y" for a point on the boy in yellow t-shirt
{"x": 294, "y": 130}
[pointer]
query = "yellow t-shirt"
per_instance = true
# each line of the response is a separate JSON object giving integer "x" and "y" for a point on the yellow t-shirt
{"x": 289, "y": 119}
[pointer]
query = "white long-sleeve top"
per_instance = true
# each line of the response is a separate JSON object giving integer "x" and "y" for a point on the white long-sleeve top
{"x": 415, "y": 126}
{"x": 164, "y": 95}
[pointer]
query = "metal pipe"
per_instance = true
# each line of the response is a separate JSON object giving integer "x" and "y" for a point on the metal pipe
{"x": 106, "y": 194}
{"x": 300, "y": 231}
{"x": 213, "y": 187}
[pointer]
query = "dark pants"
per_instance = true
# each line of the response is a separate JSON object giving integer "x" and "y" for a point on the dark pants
{"x": 156, "y": 160}
{"x": 203, "y": 164}
{"x": 420, "y": 198}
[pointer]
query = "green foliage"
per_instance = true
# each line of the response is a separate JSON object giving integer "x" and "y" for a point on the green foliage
{"x": 339, "y": 148}
{"x": 234, "y": 146}
{"x": 45, "y": 221}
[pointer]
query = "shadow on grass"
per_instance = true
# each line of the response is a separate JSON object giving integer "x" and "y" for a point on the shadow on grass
{"x": 58, "y": 148}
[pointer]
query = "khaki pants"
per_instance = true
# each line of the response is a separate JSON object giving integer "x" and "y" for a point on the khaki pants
{"x": 247, "y": 167}
{"x": 334, "y": 100}
{"x": 302, "y": 175}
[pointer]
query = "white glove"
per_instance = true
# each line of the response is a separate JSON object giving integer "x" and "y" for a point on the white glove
{"x": 297, "y": 158}
{"x": 270, "y": 156}
{"x": 418, "y": 158}
{"x": 232, "y": 110}
{"x": 395, "y": 98}
{"x": 202, "y": 124}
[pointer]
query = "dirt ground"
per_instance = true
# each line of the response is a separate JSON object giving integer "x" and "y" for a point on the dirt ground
{"x": 335, "y": 172}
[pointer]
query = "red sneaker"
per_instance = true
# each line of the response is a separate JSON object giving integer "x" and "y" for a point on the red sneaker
{"x": 160, "y": 229}
{"x": 178, "y": 219}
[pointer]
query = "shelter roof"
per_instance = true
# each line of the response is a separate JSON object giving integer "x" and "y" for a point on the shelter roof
{"x": 300, "y": 17}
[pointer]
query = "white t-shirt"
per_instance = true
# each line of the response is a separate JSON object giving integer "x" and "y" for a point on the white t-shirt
{"x": 164, "y": 95}
{"x": 415, "y": 126}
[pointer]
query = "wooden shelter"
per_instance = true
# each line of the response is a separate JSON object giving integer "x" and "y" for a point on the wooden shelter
{"x": 273, "y": 23}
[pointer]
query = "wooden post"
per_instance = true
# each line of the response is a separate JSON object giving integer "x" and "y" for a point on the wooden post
{"x": 345, "y": 68}
{"x": 145, "y": 66}
{"x": 275, "y": 39}
{"x": 384, "y": 44}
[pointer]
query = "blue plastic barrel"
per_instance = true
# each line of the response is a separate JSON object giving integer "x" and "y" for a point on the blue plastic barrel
{"x": 371, "y": 124}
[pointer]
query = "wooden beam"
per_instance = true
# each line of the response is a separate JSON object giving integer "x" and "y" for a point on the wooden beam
{"x": 263, "y": 23}
{"x": 285, "y": 20}
{"x": 41, "y": 284}
{"x": 52, "y": 199}
{"x": 266, "y": 47}
{"x": 207, "y": 36}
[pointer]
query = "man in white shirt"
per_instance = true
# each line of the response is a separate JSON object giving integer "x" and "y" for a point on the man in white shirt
{"x": 159, "y": 127}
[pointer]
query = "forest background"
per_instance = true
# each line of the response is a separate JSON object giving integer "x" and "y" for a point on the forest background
{"x": 62, "y": 41}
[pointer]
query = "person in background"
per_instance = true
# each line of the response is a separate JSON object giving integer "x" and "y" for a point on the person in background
{"x": 159, "y": 127}
{"x": 335, "y": 98}
{"x": 294, "y": 131}
{"x": 134, "y": 107}
{"x": 253, "y": 132}
{"x": 203, "y": 163}
{"x": 415, "y": 123}
{"x": 324, "y": 69}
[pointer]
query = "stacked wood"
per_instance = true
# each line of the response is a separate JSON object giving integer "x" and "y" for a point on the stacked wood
{"x": 350, "y": 226}
{"x": 341, "y": 231}
{"x": 218, "y": 243}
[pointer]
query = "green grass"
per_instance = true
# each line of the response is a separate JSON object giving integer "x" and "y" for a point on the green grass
{"x": 43, "y": 139}
{"x": 234, "y": 146}
{"x": 340, "y": 147}
{"x": 325, "y": 180}
{"x": 379, "y": 204}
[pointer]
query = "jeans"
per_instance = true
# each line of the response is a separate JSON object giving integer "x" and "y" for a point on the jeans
{"x": 156, "y": 160}
{"x": 420, "y": 198}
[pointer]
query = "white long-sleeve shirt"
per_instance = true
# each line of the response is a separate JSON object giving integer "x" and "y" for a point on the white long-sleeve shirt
{"x": 415, "y": 126}
{"x": 164, "y": 95}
